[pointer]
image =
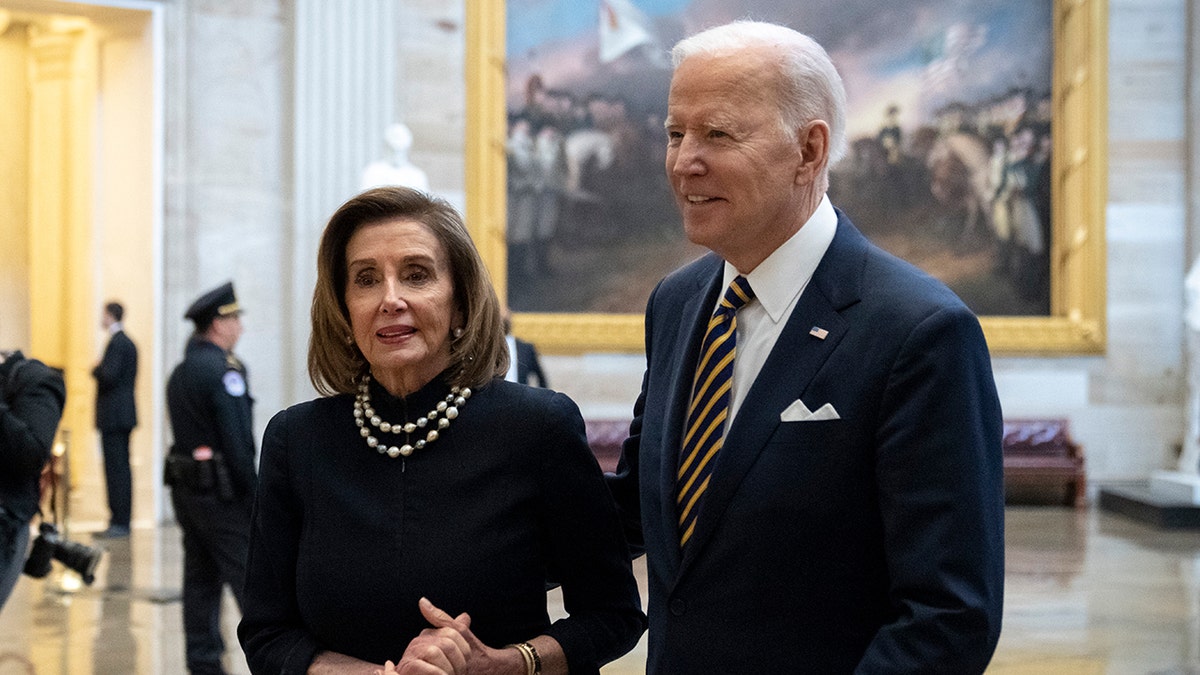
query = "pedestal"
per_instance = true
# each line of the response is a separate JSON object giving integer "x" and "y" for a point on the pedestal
{"x": 1160, "y": 503}
{"x": 1176, "y": 486}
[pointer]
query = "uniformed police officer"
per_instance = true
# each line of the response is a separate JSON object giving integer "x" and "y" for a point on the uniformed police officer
{"x": 210, "y": 469}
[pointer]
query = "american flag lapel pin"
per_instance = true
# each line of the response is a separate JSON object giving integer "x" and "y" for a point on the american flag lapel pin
{"x": 818, "y": 332}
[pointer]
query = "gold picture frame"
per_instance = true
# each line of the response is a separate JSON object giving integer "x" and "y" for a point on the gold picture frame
{"x": 1076, "y": 323}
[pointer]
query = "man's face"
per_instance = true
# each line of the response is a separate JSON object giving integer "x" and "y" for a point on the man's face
{"x": 734, "y": 170}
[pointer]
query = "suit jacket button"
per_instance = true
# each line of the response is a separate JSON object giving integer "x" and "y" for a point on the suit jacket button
{"x": 678, "y": 607}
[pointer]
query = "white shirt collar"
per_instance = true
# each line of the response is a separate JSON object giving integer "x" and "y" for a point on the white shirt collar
{"x": 511, "y": 375}
{"x": 116, "y": 326}
{"x": 785, "y": 273}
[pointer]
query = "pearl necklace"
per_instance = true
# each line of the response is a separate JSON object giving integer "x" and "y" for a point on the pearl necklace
{"x": 363, "y": 413}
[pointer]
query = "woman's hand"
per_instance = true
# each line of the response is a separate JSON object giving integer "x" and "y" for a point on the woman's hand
{"x": 441, "y": 650}
{"x": 450, "y": 648}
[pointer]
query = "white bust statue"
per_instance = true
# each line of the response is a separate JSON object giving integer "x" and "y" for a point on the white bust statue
{"x": 395, "y": 169}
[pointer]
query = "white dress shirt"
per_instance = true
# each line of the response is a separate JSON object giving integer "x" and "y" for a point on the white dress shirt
{"x": 778, "y": 282}
{"x": 511, "y": 375}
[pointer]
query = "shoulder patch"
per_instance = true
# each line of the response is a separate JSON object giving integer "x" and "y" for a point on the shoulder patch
{"x": 235, "y": 384}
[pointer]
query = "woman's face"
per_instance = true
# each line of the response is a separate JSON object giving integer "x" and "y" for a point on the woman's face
{"x": 400, "y": 297}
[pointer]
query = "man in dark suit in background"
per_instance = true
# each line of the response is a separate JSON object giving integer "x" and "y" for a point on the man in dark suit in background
{"x": 116, "y": 416}
{"x": 523, "y": 362}
{"x": 814, "y": 471}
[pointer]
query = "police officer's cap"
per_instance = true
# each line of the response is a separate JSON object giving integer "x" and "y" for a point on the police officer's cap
{"x": 220, "y": 301}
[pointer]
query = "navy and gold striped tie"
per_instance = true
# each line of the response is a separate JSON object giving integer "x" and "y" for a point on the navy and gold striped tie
{"x": 710, "y": 405}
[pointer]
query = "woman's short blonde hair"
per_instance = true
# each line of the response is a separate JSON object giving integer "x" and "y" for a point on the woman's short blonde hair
{"x": 335, "y": 364}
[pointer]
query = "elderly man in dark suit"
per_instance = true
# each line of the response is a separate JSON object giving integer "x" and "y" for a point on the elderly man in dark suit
{"x": 814, "y": 465}
{"x": 116, "y": 416}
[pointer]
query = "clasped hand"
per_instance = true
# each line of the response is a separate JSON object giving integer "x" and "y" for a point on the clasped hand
{"x": 449, "y": 647}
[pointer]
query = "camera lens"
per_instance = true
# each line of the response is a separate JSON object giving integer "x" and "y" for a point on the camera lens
{"x": 79, "y": 557}
{"x": 49, "y": 545}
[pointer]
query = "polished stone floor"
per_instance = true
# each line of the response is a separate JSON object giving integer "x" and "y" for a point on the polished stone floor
{"x": 1087, "y": 592}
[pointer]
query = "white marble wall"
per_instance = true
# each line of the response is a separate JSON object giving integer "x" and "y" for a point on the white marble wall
{"x": 227, "y": 182}
{"x": 1192, "y": 189}
{"x": 1134, "y": 419}
{"x": 431, "y": 96}
{"x": 228, "y": 214}
{"x": 231, "y": 110}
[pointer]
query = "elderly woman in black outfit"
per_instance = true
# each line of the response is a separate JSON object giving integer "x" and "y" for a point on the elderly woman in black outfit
{"x": 415, "y": 512}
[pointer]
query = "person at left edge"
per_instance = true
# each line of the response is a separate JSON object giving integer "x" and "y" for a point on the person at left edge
{"x": 116, "y": 416}
{"x": 210, "y": 469}
{"x": 416, "y": 511}
{"x": 32, "y": 396}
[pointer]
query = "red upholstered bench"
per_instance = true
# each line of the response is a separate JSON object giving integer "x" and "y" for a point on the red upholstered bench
{"x": 1040, "y": 453}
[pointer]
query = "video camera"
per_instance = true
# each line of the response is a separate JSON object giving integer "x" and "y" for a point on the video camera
{"x": 49, "y": 544}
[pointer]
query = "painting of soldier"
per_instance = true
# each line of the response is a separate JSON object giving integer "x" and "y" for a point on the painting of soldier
{"x": 950, "y": 142}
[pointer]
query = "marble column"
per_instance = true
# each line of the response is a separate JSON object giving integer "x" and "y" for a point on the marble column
{"x": 62, "y": 86}
{"x": 345, "y": 60}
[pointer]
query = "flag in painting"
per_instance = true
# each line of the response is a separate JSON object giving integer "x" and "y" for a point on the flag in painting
{"x": 622, "y": 27}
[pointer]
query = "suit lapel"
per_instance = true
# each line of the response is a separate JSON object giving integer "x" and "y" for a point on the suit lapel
{"x": 693, "y": 321}
{"x": 793, "y": 362}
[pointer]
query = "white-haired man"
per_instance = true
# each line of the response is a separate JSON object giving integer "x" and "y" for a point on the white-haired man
{"x": 814, "y": 467}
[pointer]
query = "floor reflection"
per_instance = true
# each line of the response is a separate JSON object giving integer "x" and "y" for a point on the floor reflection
{"x": 115, "y": 642}
{"x": 128, "y": 621}
{"x": 1086, "y": 592}
{"x": 1093, "y": 592}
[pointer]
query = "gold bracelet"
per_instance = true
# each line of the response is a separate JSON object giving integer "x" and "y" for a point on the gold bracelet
{"x": 529, "y": 655}
{"x": 537, "y": 658}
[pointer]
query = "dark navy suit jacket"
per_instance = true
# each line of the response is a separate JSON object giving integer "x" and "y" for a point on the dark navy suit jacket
{"x": 872, "y": 543}
{"x": 528, "y": 365}
{"x": 115, "y": 378}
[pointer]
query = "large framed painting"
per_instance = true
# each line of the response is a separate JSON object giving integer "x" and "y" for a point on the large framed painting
{"x": 977, "y": 141}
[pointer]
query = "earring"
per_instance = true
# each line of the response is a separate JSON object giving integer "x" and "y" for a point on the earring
{"x": 458, "y": 332}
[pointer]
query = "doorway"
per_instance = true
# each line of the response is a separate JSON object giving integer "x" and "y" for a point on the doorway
{"x": 81, "y": 215}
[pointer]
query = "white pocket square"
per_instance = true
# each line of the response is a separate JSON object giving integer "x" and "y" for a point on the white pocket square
{"x": 798, "y": 412}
